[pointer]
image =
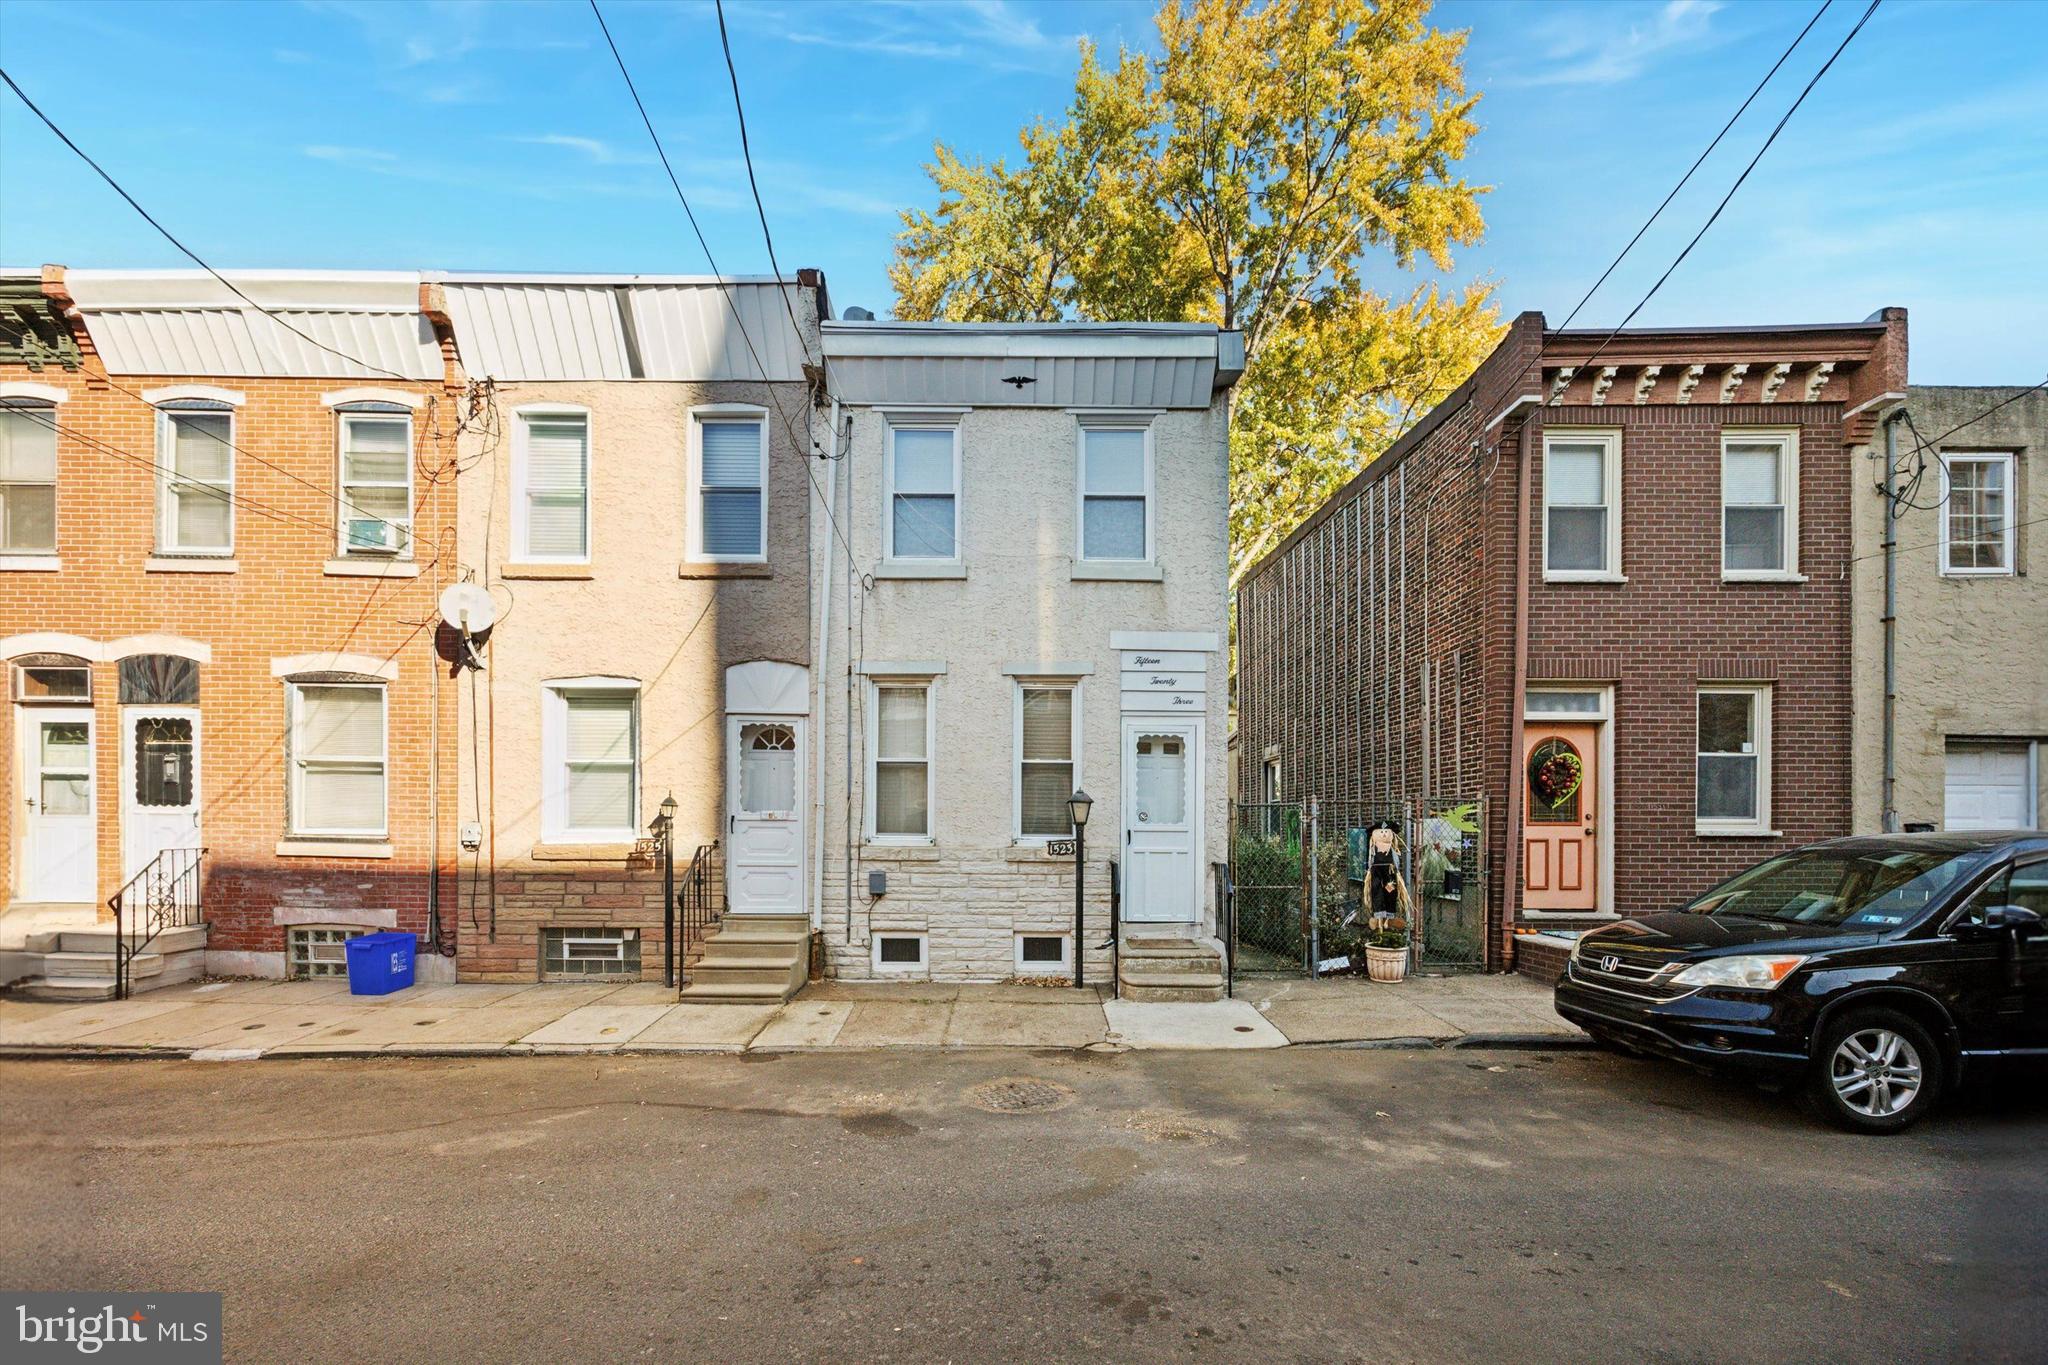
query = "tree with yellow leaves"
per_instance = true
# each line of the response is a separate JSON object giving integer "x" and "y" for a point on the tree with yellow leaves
{"x": 1249, "y": 177}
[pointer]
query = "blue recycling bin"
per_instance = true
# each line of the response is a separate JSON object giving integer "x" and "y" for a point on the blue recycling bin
{"x": 379, "y": 964}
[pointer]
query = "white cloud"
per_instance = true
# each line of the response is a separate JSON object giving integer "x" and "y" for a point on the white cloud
{"x": 1592, "y": 47}
{"x": 363, "y": 157}
{"x": 595, "y": 149}
{"x": 986, "y": 33}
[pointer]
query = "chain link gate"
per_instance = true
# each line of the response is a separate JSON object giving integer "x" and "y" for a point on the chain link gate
{"x": 1268, "y": 892}
{"x": 1447, "y": 877}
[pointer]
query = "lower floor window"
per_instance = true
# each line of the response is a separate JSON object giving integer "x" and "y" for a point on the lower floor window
{"x": 1732, "y": 772}
{"x": 1043, "y": 954}
{"x": 590, "y": 952}
{"x": 899, "y": 953}
{"x": 316, "y": 952}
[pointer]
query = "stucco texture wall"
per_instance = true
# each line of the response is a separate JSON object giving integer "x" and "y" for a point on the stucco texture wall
{"x": 1972, "y": 651}
{"x": 637, "y": 611}
{"x": 1018, "y": 604}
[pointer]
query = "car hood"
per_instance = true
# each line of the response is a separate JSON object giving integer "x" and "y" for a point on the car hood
{"x": 1674, "y": 935}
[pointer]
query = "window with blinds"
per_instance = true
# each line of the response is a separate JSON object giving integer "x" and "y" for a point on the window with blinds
{"x": 338, "y": 757}
{"x": 1759, "y": 503}
{"x": 595, "y": 745}
{"x": 902, "y": 773}
{"x": 923, "y": 521}
{"x": 28, "y": 481}
{"x": 376, "y": 485}
{"x": 195, "y": 489}
{"x": 554, "y": 497}
{"x": 1115, "y": 508}
{"x": 732, "y": 477}
{"x": 1045, "y": 761}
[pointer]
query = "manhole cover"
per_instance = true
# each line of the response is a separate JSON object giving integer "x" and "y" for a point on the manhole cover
{"x": 1019, "y": 1095}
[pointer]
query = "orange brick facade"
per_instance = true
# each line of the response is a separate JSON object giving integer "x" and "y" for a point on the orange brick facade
{"x": 280, "y": 601}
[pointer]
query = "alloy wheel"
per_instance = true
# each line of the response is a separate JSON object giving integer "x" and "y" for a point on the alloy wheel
{"x": 1875, "y": 1072}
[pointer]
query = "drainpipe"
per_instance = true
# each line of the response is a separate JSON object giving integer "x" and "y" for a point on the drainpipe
{"x": 1512, "y": 873}
{"x": 1891, "y": 619}
{"x": 820, "y": 657}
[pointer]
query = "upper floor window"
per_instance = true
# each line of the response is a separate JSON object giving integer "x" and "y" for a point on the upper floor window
{"x": 1977, "y": 513}
{"x": 196, "y": 483}
{"x": 338, "y": 758}
{"x": 1759, "y": 504}
{"x": 591, "y": 742}
{"x": 729, "y": 488}
{"x": 1116, "y": 493}
{"x": 1582, "y": 505}
{"x": 923, "y": 493}
{"x": 551, "y": 487}
{"x": 28, "y": 480}
{"x": 376, "y": 483}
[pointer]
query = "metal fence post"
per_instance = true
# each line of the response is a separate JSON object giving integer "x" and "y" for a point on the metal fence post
{"x": 1309, "y": 855}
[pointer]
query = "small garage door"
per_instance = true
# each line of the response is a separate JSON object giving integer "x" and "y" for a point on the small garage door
{"x": 1989, "y": 787}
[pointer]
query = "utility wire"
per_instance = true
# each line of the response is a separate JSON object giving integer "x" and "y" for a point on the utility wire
{"x": 147, "y": 217}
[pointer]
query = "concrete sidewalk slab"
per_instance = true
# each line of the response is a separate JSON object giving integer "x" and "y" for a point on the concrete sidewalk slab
{"x": 72, "y": 1023}
{"x": 894, "y": 1023}
{"x": 566, "y": 998}
{"x": 1214, "y": 1024}
{"x": 803, "y": 1023}
{"x": 597, "y": 1026}
{"x": 1343, "y": 1021}
{"x": 274, "y": 1028}
{"x": 707, "y": 1026}
{"x": 999, "y": 1023}
{"x": 461, "y": 997}
{"x": 491, "y": 1028}
{"x": 176, "y": 1028}
{"x": 372, "y": 1030}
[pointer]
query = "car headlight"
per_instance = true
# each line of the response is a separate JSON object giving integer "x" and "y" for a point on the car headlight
{"x": 1742, "y": 972}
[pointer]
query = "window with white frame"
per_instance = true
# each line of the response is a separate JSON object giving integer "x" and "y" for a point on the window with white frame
{"x": 551, "y": 510}
{"x": 591, "y": 745}
{"x": 1732, "y": 788}
{"x": 1044, "y": 954}
{"x": 376, "y": 482}
{"x": 28, "y": 479}
{"x": 1976, "y": 513}
{"x": 338, "y": 758}
{"x": 923, "y": 478}
{"x": 898, "y": 954}
{"x": 730, "y": 488}
{"x": 1759, "y": 504}
{"x": 900, "y": 767}
{"x": 1581, "y": 505}
{"x": 196, "y": 482}
{"x": 1047, "y": 728}
{"x": 1115, "y": 492}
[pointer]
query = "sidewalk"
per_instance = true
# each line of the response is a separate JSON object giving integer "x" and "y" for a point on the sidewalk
{"x": 238, "y": 1020}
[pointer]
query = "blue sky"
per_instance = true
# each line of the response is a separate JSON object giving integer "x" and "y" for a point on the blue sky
{"x": 498, "y": 136}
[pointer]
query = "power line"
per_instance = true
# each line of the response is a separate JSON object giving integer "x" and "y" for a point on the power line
{"x": 147, "y": 217}
{"x": 1934, "y": 544}
{"x": 747, "y": 154}
{"x": 1971, "y": 422}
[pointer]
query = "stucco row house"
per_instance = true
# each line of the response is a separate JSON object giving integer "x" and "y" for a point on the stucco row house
{"x": 839, "y": 615}
{"x": 1609, "y": 623}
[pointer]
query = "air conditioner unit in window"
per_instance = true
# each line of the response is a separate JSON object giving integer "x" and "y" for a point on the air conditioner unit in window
{"x": 369, "y": 535}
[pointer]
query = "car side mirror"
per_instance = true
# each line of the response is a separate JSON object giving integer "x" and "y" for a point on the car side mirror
{"x": 2000, "y": 921}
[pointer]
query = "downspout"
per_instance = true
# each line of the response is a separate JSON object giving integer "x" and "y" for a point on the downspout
{"x": 820, "y": 659}
{"x": 1512, "y": 872}
{"x": 1890, "y": 620}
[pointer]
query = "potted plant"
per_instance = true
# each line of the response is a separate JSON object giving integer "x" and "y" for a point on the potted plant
{"x": 1386, "y": 952}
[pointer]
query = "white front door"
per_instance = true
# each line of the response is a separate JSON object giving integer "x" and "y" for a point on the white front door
{"x": 1162, "y": 784}
{"x": 59, "y": 828}
{"x": 764, "y": 859}
{"x": 1989, "y": 786}
{"x": 159, "y": 782}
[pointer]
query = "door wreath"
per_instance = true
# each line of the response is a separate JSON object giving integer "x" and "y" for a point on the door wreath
{"x": 1557, "y": 775}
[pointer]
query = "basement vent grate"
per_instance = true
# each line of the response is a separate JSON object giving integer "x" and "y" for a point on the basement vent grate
{"x": 1019, "y": 1095}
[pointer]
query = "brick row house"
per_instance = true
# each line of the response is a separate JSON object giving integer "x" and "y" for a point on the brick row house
{"x": 1600, "y": 593}
{"x": 222, "y": 537}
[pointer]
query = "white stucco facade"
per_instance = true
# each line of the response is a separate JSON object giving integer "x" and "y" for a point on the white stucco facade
{"x": 1126, "y": 652}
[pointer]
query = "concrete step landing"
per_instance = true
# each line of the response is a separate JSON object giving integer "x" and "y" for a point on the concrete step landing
{"x": 1170, "y": 970}
{"x": 751, "y": 960}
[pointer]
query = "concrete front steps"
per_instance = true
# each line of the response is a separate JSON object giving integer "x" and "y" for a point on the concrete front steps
{"x": 751, "y": 960}
{"x": 78, "y": 964}
{"x": 1169, "y": 970}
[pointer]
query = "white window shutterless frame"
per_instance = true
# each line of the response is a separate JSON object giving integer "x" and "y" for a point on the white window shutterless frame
{"x": 590, "y": 750}
{"x": 339, "y": 749}
{"x": 728, "y": 493}
{"x": 1113, "y": 512}
{"x": 376, "y": 483}
{"x": 1581, "y": 506}
{"x": 900, "y": 745}
{"x": 921, "y": 493}
{"x": 551, "y": 486}
{"x": 28, "y": 479}
{"x": 1977, "y": 523}
{"x": 1732, "y": 788}
{"x": 196, "y": 481}
{"x": 1759, "y": 505}
{"x": 1047, "y": 721}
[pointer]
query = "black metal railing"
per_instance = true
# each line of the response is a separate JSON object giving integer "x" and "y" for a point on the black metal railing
{"x": 696, "y": 909}
{"x": 163, "y": 895}
{"x": 1115, "y": 943}
{"x": 1226, "y": 924}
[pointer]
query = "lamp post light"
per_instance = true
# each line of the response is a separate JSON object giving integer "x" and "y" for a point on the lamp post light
{"x": 1078, "y": 806}
{"x": 665, "y": 830}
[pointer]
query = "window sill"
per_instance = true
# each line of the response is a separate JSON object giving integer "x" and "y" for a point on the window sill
{"x": 913, "y": 568}
{"x": 179, "y": 564}
{"x": 746, "y": 568}
{"x": 370, "y": 568}
{"x": 566, "y": 572}
{"x": 1100, "y": 572}
{"x": 582, "y": 853}
{"x": 899, "y": 853}
{"x": 1549, "y": 577}
{"x": 1978, "y": 573}
{"x": 30, "y": 564}
{"x": 331, "y": 848}
{"x": 1736, "y": 832}
{"x": 1761, "y": 577}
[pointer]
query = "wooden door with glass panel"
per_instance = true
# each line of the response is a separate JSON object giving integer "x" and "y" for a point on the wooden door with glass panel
{"x": 1560, "y": 853}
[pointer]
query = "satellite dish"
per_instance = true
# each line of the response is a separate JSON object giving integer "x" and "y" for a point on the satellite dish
{"x": 468, "y": 608}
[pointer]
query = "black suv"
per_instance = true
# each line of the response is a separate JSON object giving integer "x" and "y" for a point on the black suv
{"x": 1873, "y": 970}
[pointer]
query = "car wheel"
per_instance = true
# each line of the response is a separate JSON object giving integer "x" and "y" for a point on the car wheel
{"x": 1875, "y": 1071}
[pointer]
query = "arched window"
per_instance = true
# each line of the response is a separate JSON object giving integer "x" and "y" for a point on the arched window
{"x": 52, "y": 679}
{"x": 1555, "y": 776}
{"x": 159, "y": 680}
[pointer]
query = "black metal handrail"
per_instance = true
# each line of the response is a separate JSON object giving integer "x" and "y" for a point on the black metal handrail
{"x": 695, "y": 907}
{"x": 1115, "y": 941}
{"x": 1226, "y": 925}
{"x": 163, "y": 895}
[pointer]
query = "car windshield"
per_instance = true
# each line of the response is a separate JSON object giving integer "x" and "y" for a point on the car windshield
{"x": 1836, "y": 888}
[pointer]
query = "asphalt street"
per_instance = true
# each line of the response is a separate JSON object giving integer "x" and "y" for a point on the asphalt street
{"x": 1310, "y": 1204}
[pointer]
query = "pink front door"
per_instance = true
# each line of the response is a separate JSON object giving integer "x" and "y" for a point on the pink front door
{"x": 1560, "y": 832}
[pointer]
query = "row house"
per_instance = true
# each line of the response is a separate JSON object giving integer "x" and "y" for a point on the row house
{"x": 1601, "y": 597}
{"x": 222, "y": 528}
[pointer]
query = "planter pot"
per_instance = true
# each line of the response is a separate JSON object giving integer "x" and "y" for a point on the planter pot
{"x": 1386, "y": 964}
